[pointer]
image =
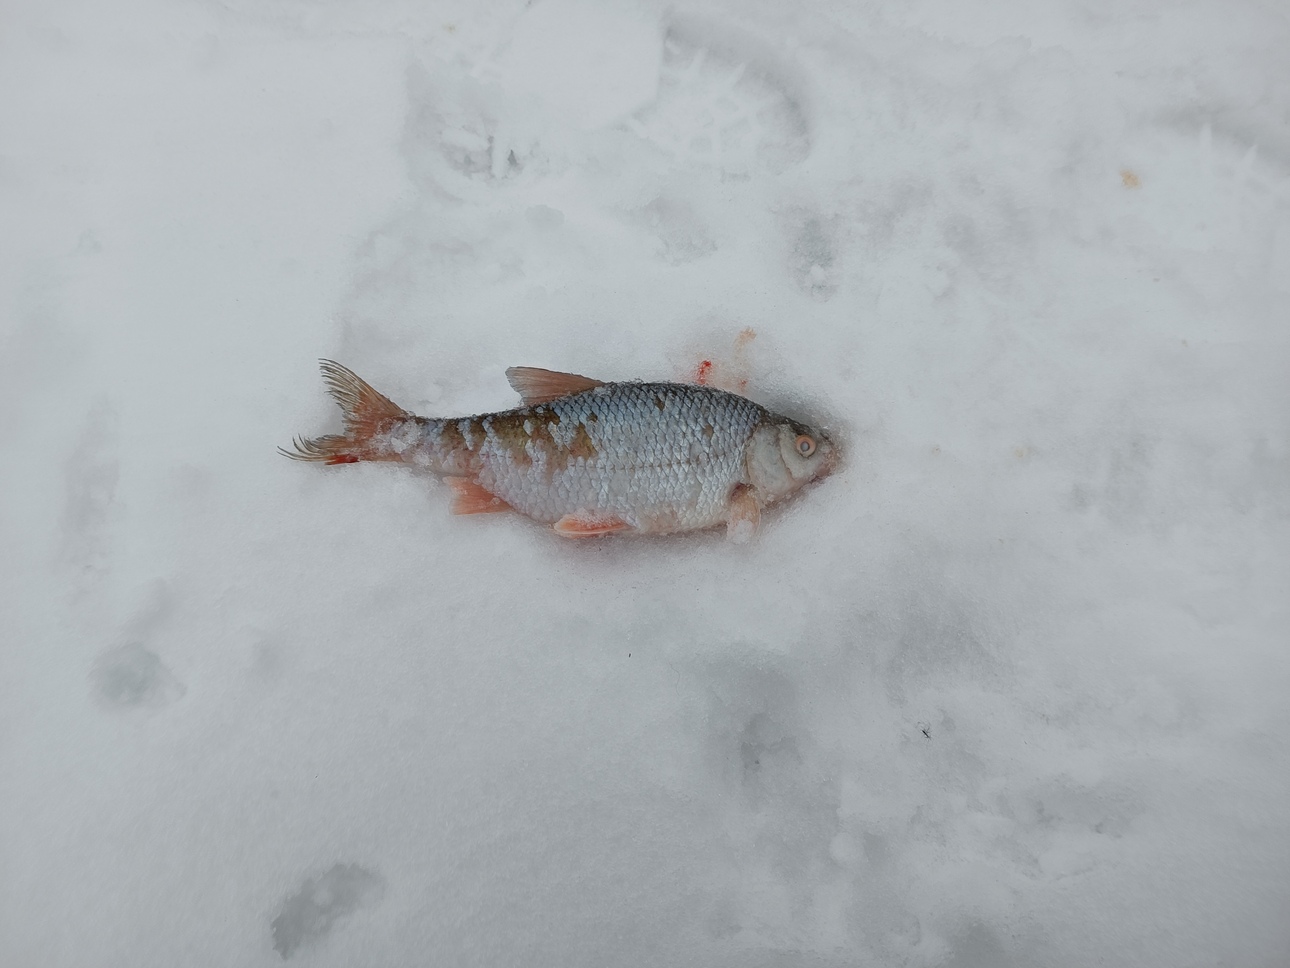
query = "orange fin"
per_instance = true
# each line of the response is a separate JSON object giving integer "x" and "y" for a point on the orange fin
{"x": 471, "y": 498}
{"x": 367, "y": 414}
{"x": 588, "y": 524}
{"x": 535, "y": 385}
{"x": 745, "y": 515}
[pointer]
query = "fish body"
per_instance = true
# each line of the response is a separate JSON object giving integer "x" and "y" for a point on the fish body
{"x": 592, "y": 458}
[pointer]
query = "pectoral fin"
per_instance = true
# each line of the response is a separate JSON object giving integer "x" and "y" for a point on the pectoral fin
{"x": 745, "y": 515}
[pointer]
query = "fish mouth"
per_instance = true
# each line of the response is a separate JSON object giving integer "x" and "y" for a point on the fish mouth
{"x": 829, "y": 463}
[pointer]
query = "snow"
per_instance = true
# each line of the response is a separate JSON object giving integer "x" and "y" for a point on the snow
{"x": 1008, "y": 689}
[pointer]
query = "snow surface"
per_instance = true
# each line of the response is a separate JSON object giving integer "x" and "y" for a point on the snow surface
{"x": 1009, "y": 689}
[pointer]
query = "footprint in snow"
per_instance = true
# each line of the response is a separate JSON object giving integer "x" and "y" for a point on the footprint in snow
{"x": 312, "y": 912}
{"x": 132, "y": 677}
{"x": 724, "y": 105}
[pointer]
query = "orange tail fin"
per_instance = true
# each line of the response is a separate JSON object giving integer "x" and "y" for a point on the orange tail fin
{"x": 367, "y": 414}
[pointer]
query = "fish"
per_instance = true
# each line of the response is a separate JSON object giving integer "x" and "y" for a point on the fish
{"x": 588, "y": 457}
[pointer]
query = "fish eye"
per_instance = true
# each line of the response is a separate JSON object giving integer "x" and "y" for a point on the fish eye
{"x": 805, "y": 445}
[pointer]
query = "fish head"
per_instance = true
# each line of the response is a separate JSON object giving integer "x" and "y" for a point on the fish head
{"x": 784, "y": 455}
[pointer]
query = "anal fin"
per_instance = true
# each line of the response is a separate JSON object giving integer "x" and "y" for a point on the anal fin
{"x": 470, "y": 497}
{"x": 588, "y": 524}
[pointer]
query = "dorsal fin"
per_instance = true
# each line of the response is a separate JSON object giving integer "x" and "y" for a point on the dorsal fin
{"x": 535, "y": 385}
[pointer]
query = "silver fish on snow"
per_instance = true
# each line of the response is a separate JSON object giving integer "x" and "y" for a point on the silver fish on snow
{"x": 591, "y": 458}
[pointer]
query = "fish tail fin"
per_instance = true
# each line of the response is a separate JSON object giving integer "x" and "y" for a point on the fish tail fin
{"x": 368, "y": 415}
